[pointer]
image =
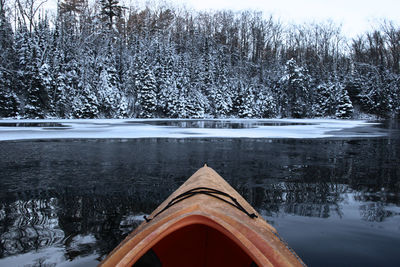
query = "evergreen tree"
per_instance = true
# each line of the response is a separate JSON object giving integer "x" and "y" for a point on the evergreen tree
{"x": 378, "y": 96}
{"x": 85, "y": 105}
{"x": 295, "y": 84}
{"x": 176, "y": 102}
{"x": 395, "y": 90}
{"x": 237, "y": 97}
{"x": 321, "y": 106}
{"x": 123, "y": 108}
{"x": 222, "y": 101}
{"x": 6, "y": 34}
{"x": 164, "y": 83}
{"x": 9, "y": 104}
{"x": 179, "y": 102}
{"x": 246, "y": 104}
{"x": 147, "y": 97}
{"x": 35, "y": 107}
{"x": 109, "y": 94}
{"x": 266, "y": 106}
{"x": 67, "y": 84}
{"x": 171, "y": 98}
{"x": 69, "y": 15}
{"x": 109, "y": 10}
{"x": 60, "y": 100}
{"x": 47, "y": 84}
{"x": 195, "y": 105}
{"x": 207, "y": 78}
{"x": 221, "y": 96}
{"x": 33, "y": 79}
{"x": 345, "y": 106}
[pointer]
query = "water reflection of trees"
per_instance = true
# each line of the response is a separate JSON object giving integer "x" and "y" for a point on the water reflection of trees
{"x": 27, "y": 225}
{"x": 304, "y": 199}
{"x": 374, "y": 212}
{"x": 320, "y": 200}
{"x": 103, "y": 217}
{"x": 215, "y": 124}
{"x": 81, "y": 224}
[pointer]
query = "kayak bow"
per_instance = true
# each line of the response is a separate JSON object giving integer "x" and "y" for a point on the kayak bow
{"x": 205, "y": 222}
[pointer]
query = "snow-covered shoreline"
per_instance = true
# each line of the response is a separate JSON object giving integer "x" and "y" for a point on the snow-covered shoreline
{"x": 141, "y": 128}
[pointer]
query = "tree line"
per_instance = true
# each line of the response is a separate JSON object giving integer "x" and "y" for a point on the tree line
{"x": 105, "y": 60}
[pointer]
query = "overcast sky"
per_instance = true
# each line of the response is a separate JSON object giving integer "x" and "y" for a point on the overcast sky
{"x": 356, "y": 16}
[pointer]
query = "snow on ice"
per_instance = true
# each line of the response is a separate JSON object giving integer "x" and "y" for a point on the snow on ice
{"x": 170, "y": 128}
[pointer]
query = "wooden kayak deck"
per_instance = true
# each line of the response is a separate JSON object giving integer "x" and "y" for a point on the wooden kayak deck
{"x": 205, "y": 222}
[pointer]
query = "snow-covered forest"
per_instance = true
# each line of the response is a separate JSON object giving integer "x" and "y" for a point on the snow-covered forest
{"x": 105, "y": 60}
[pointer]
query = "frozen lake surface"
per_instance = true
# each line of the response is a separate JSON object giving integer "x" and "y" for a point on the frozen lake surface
{"x": 169, "y": 128}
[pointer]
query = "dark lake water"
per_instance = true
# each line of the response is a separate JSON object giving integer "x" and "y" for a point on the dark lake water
{"x": 70, "y": 202}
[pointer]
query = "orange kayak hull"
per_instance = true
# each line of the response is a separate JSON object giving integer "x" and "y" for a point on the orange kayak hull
{"x": 203, "y": 230}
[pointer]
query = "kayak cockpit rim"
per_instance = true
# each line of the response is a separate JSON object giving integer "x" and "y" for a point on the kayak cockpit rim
{"x": 136, "y": 251}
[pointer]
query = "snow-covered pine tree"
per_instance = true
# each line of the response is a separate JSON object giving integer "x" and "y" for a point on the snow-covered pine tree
{"x": 246, "y": 108}
{"x": 206, "y": 78}
{"x": 395, "y": 92}
{"x": 165, "y": 83}
{"x": 164, "y": 98}
{"x": 179, "y": 109}
{"x": 9, "y": 103}
{"x": 85, "y": 105}
{"x": 265, "y": 106}
{"x": 34, "y": 107}
{"x": 129, "y": 82}
{"x": 6, "y": 35}
{"x": 176, "y": 101}
{"x": 48, "y": 84}
{"x": 345, "y": 106}
{"x": 222, "y": 101}
{"x": 322, "y": 100}
{"x": 170, "y": 97}
{"x": 34, "y": 80}
{"x": 379, "y": 98}
{"x": 110, "y": 9}
{"x": 370, "y": 95}
{"x": 237, "y": 91}
{"x": 195, "y": 104}
{"x": 221, "y": 97}
{"x": 60, "y": 100}
{"x": 327, "y": 95}
{"x": 182, "y": 98}
{"x": 370, "y": 86}
{"x": 123, "y": 108}
{"x": 147, "y": 97}
{"x": 296, "y": 86}
{"x": 59, "y": 97}
{"x": 68, "y": 84}
{"x": 108, "y": 92}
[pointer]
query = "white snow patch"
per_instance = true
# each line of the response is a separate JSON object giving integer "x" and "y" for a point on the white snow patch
{"x": 51, "y": 256}
{"x": 83, "y": 239}
{"x": 137, "y": 128}
{"x": 131, "y": 219}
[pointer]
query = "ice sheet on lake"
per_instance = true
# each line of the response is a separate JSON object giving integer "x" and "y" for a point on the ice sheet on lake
{"x": 158, "y": 128}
